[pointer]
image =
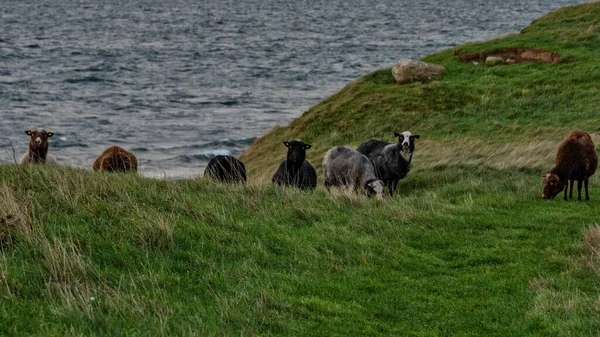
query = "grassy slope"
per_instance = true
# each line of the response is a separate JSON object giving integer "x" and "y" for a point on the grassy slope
{"x": 466, "y": 248}
{"x": 502, "y": 116}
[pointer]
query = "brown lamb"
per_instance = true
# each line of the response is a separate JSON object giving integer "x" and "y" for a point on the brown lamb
{"x": 116, "y": 159}
{"x": 38, "y": 148}
{"x": 576, "y": 159}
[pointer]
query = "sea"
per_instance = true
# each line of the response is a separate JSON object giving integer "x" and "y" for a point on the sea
{"x": 179, "y": 81}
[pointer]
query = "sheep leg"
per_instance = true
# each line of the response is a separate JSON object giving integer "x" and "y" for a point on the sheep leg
{"x": 391, "y": 185}
{"x": 587, "y": 195}
{"x": 327, "y": 183}
{"x": 566, "y": 188}
{"x": 571, "y": 189}
{"x": 579, "y": 182}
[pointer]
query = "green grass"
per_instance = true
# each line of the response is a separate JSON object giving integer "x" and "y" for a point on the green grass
{"x": 463, "y": 251}
{"x": 466, "y": 248}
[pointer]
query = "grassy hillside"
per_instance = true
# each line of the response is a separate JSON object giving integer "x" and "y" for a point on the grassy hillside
{"x": 502, "y": 116}
{"x": 464, "y": 251}
{"x": 466, "y": 248}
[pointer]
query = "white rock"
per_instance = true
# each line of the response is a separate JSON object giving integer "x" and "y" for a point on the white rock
{"x": 494, "y": 59}
{"x": 406, "y": 70}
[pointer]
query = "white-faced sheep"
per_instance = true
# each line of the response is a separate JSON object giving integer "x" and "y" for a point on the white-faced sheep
{"x": 576, "y": 159}
{"x": 116, "y": 159}
{"x": 343, "y": 166}
{"x": 226, "y": 169}
{"x": 295, "y": 170}
{"x": 392, "y": 161}
{"x": 38, "y": 148}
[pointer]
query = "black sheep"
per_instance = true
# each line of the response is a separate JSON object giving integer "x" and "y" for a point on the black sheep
{"x": 226, "y": 169}
{"x": 392, "y": 161}
{"x": 295, "y": 170}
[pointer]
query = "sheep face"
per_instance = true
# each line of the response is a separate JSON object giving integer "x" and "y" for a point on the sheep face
{"x": 296, "y": 151}
{"x": 39, "y": 138}
{"x": 375, "y": 188}
{"x": 406, "y": 141}
{"x": 552, "y": 186}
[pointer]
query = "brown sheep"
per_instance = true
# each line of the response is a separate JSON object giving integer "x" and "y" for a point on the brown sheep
{"x": 116, "y": 159}
{"x": 38, "y": 148}
{"x": 576, "y": 159}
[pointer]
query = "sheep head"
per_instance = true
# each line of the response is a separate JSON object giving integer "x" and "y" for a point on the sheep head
{"x": 406, "y": 144}
{"x": 296, "y": 151}
{"x": 375, "y": 188}
{"x": 39, "y": 139}
{"x": 553, "y": 185}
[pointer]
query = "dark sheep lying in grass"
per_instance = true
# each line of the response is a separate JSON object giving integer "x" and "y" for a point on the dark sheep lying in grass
{"x": 38, "y": 148}
{"x": 116, "y": 159}
{"x": 345, "y": 167}
{"x": 295, "y": 170}
{"x": 576, "y": 159}
{"x": 226, "y": 169}
{"x": 392, "y": 161}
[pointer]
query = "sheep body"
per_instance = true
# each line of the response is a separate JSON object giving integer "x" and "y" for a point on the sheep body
{"x": 27, "y": 159}
{"x": 576, "y": 159}
{"x": 116, "y": 159}
{"x": 343, "y": 166}
{"x": 38, "y": 148}
{"x": 392, "y": 161}
{"x": 226, "y": 169}
{"x": 304, "y": 177}
{"x": 295, "y": 170}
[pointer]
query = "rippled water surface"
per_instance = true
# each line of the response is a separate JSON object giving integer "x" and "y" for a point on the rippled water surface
{"x": 179, "y": 81}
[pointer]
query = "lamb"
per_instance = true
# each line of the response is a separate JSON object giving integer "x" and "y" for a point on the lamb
{"x": 576, "y": 159}
{"x": 116, "y": 159}
{"x": 295, "y": 170}
{"x": 392, "y": 162}
{"x": 226, "y": 169}
{"x": 38, "y": 148}
{"x": 343, "y": 166}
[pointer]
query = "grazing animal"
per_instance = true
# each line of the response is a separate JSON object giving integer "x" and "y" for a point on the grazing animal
{"x": 576, "y": 159}
{"x": 392, "y": 161}
{"x": 38, "y": 148}
{"x": 295, "y": 170}
{"x": 116, "y": 159}
{"x": 226, "y": 169}
{"x": 343, "y": 166}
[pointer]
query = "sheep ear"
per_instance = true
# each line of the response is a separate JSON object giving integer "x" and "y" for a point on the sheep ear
{"x": 287, "y": 144}
{"x": 307, "y": 146}
{"x": 397, "y": 135}
{"x": 416, "y": 136}
{"x": 28, "y": 132}
{"x": 50, "y": 134}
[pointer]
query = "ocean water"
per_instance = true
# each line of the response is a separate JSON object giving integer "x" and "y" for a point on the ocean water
{"x": 179, "y": 81}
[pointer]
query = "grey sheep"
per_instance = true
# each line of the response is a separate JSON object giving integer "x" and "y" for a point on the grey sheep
{"x": 343, "y": 166}
{"x": 392, "y": 161}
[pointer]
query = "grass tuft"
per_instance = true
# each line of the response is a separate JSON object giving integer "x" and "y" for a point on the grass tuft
{"x": 591, "y": 241}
